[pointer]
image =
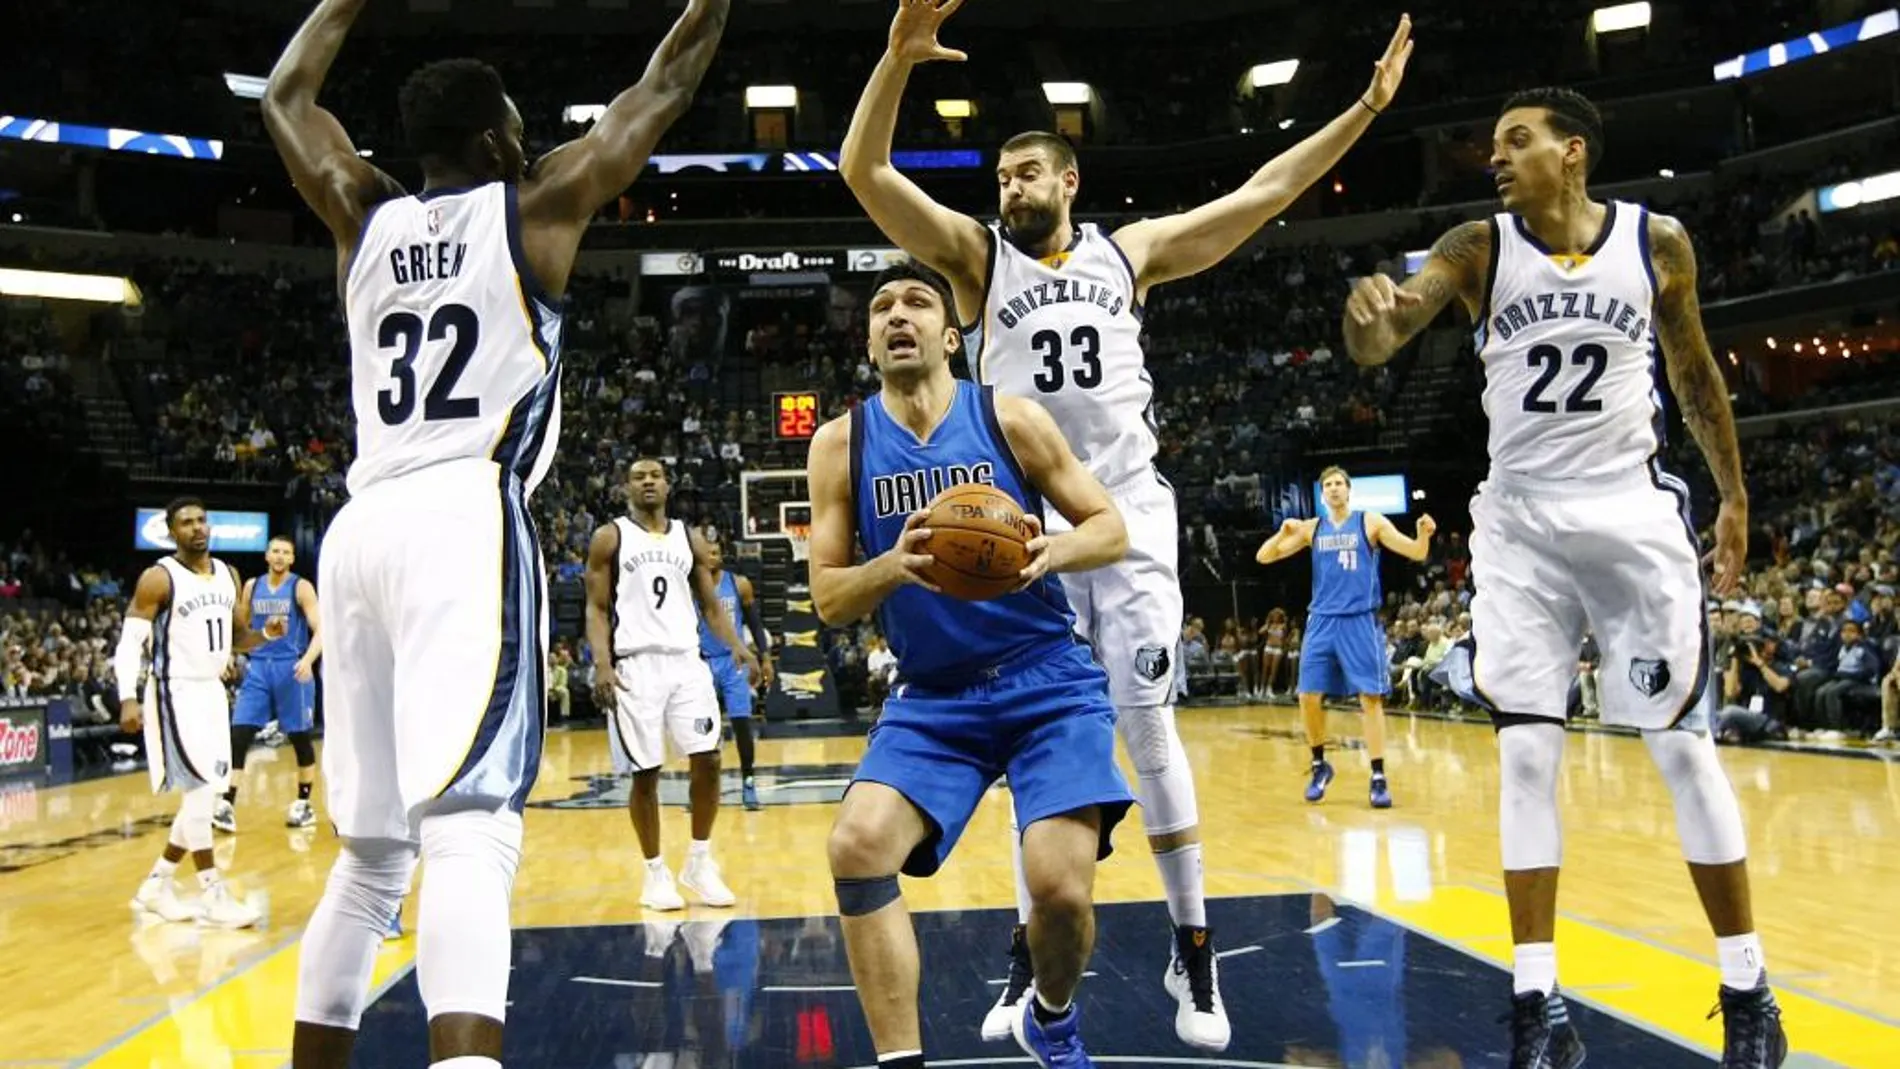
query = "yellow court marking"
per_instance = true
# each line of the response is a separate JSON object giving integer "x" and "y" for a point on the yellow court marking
{"x": 1670, "y": 992}
{"x": 242, "y": 1023}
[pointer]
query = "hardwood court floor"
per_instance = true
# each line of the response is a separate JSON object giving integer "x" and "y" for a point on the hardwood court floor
{"x": 81, "y": 985}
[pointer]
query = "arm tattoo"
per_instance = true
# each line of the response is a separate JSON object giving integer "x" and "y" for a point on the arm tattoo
{"x": 1701, "y": 393}
{"x": 1466, "y": 249}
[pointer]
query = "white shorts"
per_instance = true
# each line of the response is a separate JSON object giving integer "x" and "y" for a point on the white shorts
{"x": 668, "y": 696}
{"x": 1130, "y": 611}
{"x": 187, "y": 734}
{"x": 1621, "y": 561}
{"x": 434, "y": 649}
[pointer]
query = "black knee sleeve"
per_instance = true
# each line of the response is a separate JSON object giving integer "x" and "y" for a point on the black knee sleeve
{"x": 859, "y": 898}
{"x": 242, "y": 735}
{"x": 742, "y": 738}
{"x": 300, "y": 741}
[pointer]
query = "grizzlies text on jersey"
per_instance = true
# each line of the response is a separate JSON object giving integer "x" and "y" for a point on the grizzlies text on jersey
{"x": 455, "y": 348}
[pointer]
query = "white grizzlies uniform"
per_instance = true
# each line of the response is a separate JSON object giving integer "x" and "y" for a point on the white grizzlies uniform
{"x": 1067, "y": 334}
{"x": 668, "y": 689}
{"x": 1577, "y": 526}
{"x": 187, "y": 712}
{"x": 435, "y": 608}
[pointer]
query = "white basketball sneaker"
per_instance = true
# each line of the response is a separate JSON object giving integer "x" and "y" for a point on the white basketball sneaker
{"x": 224, "y": 817}
{"x": 159, "y": 897}
{"x": 221, "y": 909}
{"x": 301, "y": 815}
{"x": 1019, "y": 985}
{"x": 701, "y": 876}
{"x": 1193, "y": 978}
{"x": 660, "y": 893}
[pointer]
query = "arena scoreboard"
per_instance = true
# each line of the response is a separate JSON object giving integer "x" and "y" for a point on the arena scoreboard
{"x": 795, "y": 413}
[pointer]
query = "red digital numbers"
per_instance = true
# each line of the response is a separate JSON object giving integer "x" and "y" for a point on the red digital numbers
{"x": 797, "y": 414}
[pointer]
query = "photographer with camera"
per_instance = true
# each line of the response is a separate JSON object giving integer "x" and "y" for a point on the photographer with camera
{"x": 1757, "y": 683}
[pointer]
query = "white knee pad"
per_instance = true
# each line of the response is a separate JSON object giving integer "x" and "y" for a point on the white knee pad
{"x": 1708, "y": 817}
{"x": 463, "y": 945}
{"x": 191, "y": 828}
{"x": 365, "y": 889}
{"x": 1165, "y": 782}
{"x": 1529, "y": 831}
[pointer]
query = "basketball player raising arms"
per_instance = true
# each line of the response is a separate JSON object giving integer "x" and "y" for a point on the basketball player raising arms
{"x": 432, "y": 579}
{"x": 1053, "y": 311}
{"x": 1577, "y": 528}
{"x": 990, "y": 687}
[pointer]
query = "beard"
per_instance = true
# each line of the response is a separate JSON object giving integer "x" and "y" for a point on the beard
{"x": 1030, "y": 225}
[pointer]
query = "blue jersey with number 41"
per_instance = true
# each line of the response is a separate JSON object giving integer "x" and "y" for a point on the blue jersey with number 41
{"x": 1345, "y": 567}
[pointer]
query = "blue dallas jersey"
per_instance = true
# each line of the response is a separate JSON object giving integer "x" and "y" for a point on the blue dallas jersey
{"x": 1345, "y": 567}
{"x": 940, "y": 641}
{"x": 709, "y": 644}
{"x": 268, "y": 601}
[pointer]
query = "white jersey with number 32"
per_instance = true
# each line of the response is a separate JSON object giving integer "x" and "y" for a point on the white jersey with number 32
{"x": 654, "y": 607}
{"x": 1569, "y": 351}
{"x": 454, "y": 347}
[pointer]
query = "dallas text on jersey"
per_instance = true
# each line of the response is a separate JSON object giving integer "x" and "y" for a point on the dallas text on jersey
{"x": 1327, "y": 543}
{"x": 1616, "y": 315}
{"x": 905, "y": 492}
{"x": 1057, "y": 291}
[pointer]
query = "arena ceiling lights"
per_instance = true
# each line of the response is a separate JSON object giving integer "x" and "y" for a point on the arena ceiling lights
{"x": 1268, "y": 75}
{"x": 244, "y": 86}
{"x": 955, "y": 109}
{"x": 61, "y": 286}
{"x": 583, "y": 113}
{"x": 1814, "y": 44}
{"x": 1068, "y": 93}
{"x": 771, "y": 97}
{"x": 1620, "y": 17}
{"x": 1859, "y": 192}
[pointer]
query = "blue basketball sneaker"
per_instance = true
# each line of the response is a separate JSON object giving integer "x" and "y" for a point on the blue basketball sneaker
{"x": 1056, "y": 1045}
{"x": 1381, "y": 794}
{"x": 1322, "y": 779}
{"x": 749, "y": 795}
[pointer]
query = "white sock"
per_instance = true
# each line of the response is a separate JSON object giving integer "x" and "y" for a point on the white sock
{"x": 1535, "y": 970}
{"x": 466, "y": 1061}
{"x": 162, "y": 869}
{"x": 1051, "y": 1008}
{"x": 1741, "y": 959}
{"x": 1181, "y": 878}
{"x": 656, "y": 865}
{"x": 898, "y": 1056}
{"x": 700, "y": 850}
{"x": 207, "y": 879}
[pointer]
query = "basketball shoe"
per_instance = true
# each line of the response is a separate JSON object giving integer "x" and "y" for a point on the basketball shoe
{"x": 1322, "y": 779}
{"x": 221, "y": 909}
{"x": 1541, "y": 1034}
{"x": 224, "y": 817}
{"x": 701, "y": 876}
{"x": 1056, "y": 1044}
{"x": 1193, "y": 978}
{"x": 158, "y": 896}
{"x": 1751, "y": 1028}
{"x": 301, "y": 814}
{"x": 1017, "y": 987}
{"x": 660, "y": 893}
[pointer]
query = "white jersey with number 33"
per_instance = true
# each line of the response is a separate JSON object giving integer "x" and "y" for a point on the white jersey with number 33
{"x": 1569, "y": 351}
{"x": 455, "y": 348}
{"x": 654, "y": 607}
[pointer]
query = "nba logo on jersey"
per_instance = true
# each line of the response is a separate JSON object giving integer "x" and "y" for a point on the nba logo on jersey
{"x": 435, "y": 221}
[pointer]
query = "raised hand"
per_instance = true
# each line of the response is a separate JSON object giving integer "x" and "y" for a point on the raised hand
{"x": 1389, "y": 71}
{"x": 1375, "y": 298}
{"x": 914, "y": 31}
{"x": 1427, "y": 526}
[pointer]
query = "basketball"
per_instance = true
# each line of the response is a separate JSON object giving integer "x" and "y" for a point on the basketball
{"x": 979, "y": 540}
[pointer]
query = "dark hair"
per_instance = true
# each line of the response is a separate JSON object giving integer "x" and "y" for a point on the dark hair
{"x": 447, "y": 104}
{"x": 285, "y": 539}
{"x": 914, "y": 270}
{"x": 647, "y": 458}
{"x": 1570, "y": 114}
{"x": 179, "y": 504}
{"x": 1057, "y": 146}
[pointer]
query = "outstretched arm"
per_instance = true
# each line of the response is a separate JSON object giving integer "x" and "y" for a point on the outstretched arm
{"x": 573, "y": 181}
{"x": 1413, "y": 549}
{"x": 1176, "y": 246}
{"x": 1293, "y": 536}
{"x": 339, "y": 185}
{"x": 1701, "y": 393}
{"x": 1381, "y": 316}
{"x": 949, "y": 241}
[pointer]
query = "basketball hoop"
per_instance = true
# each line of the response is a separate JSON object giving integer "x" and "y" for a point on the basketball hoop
{"x": 799, "y": 534}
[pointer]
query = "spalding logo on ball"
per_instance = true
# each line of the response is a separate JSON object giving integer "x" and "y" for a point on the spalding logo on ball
{"x": 979, "y": 540}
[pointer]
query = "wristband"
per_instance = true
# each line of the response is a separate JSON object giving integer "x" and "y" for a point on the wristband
{"x": 1368, "y": 107}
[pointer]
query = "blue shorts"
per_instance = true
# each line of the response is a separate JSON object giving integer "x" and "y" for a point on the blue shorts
{"x": 271, "y": 692}
{"x": 1045, "y": 722}
{"x": 1344, "y": 655}
{"x": 735, "y": 690}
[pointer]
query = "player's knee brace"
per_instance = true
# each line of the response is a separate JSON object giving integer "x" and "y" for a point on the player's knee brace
{"x": 1708, "y": 817}
{"x": 306, "y": 748}
{"x": 1166, "y": 782}
{"x": 463, "y": 944}
{"x": 1530, "y": 831}
{"x": 364, "y": 891}
{"x": 193, "y": 823}
{"x": 860, "y": 898}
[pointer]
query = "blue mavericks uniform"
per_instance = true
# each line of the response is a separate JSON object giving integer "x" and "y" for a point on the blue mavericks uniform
{"x": 1344, "y": 649}
{"x": 271, "y": 689}
{"x": 989, "y": 687}
{"x": 735, "y": 690}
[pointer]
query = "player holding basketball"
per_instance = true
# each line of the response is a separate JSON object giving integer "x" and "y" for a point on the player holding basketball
{"x": 645, "y": 572}
{"x": 1577, "y": 528}
{"x": 738, "y": 606}
{"x": 1345, "y": 644}
{"x": 187, "y": 608}
{"x": 990, "y": 687}
{"x": 433, "y": 584}
{"x": 1053, "y": 311}
{"x": 280, "y": 684}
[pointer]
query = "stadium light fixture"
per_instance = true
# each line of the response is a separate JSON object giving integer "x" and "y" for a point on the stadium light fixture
{"x": 771, "y": 97}
{"x": 366, "y": 153}
{"x": 1286, "y": 124}
{"x": 1870, "y": 190}
{"x": 244, "y": 86}
{"x": 61, "y": 286}
{"x": 1060, "y": 93}
{"x": 1620, "y": 17}
{"x": 1666, "y": 173}
{"x": 955, "y": 109}
{"x": 1267, "y": 75}
{"x": 582, "y": 113}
